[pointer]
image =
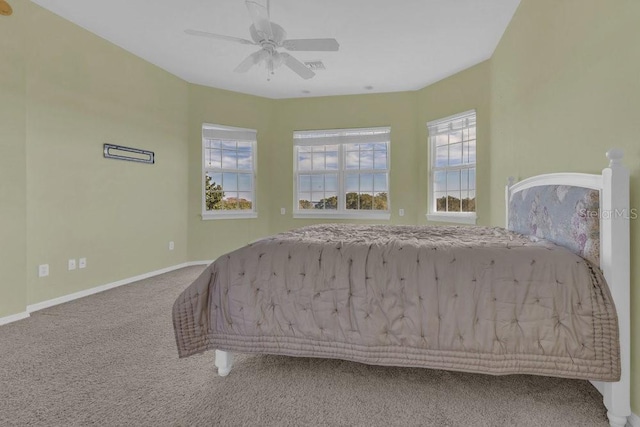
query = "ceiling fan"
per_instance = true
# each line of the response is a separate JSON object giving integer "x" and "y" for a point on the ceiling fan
{"x": 271, "y": 36}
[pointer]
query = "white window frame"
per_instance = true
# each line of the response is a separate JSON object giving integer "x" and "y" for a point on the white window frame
{"x": 341, "y": 138}
{"x": 432, "y": 213}
{"x": 237, "y": 134}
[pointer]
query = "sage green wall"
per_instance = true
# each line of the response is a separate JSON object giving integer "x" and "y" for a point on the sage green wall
{"x": 467, "y": 90}
{"x": 83, "y": 91}
{"x": 397, "y": 110}
{"x": 210, "y": 238}
{"x": 276, "y": 120}
{"x": 12, "y": 162}
{"x": 565, "y": 87}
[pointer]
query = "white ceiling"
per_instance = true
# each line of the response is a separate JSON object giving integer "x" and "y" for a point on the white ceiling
{"x": 388, "y": 45}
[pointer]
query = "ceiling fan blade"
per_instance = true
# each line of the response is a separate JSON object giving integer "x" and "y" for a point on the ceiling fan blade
{"x": 218, "y": 36}
{"x": 251, "y": 60}
{"x": 297, "y": 67}
{"x": 311, "y": 44}
{"x": 260, "y": 17}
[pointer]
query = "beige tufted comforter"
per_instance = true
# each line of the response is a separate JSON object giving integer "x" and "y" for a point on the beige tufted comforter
{"x": 472, "y": 299}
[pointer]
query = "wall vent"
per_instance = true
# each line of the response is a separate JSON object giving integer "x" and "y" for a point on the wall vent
{"x": 315, "y": 65}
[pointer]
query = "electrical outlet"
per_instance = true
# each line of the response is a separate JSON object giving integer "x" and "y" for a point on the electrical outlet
{"x": 283, "y": 211}
{"x": 43, "y": 270}
{"x": 71, "y": 264}
{"x": 401, "y": 212}
{"x": 82, "y": 263}
{"x": 171, "y": 246}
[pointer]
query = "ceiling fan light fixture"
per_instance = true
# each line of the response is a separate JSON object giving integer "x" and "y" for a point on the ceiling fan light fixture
{"x": 277, "y": 59}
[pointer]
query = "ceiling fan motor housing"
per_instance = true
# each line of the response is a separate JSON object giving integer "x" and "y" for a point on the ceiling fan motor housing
{"x": 279, "y": 35}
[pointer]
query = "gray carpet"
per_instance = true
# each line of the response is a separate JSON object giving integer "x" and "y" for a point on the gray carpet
{"x": 110, "y": 360}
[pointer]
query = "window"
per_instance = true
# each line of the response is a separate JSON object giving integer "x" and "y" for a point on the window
{"x": 228, "y": 158}
{"x": 452, "y": 143}
{"x": 342, "y": 173}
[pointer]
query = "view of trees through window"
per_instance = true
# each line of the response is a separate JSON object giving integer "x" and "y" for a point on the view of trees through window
{"x": 216, "y": 199}
{"x": 468, "y": 205}
{"x": 353, "y": 201}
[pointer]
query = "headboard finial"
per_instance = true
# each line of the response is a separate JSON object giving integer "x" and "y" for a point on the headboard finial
{"x": 615, "y": 156}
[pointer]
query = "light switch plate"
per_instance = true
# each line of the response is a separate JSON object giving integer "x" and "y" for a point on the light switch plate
{"x": 43, "y": 270}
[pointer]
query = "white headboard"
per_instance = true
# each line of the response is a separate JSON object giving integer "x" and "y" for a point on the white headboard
{"x": 613, "y": 239}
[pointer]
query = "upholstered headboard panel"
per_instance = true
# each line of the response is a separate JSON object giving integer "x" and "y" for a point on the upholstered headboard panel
{"x": 565, "y": 215}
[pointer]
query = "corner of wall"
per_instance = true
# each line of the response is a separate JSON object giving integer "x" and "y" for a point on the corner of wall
{"x": 13, "y": 252}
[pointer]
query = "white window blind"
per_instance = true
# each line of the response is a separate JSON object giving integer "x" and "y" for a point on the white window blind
{"x": 347, "y": 136}
{"x": 228, "y": 133}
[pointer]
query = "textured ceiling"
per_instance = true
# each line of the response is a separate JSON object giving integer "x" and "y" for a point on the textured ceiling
{"x": 385, "y": 46}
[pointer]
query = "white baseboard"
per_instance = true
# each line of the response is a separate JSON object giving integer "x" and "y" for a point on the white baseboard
{"x": 191, "y": 263}
{"x": 13, "y": 318}
{"x": 66, "y": 298}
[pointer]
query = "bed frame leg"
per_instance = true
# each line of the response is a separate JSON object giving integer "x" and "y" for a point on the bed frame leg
{"x": 224, "y": 362}
{"x": 616, "y": 421}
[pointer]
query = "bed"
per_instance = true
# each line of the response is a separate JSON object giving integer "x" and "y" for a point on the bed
{"x": 544, "y": 296}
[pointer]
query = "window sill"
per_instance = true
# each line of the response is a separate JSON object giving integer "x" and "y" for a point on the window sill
{"x": 458, "y": 218}
{"x": 229, "y": 215}
{"x": 343, "y": 215}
